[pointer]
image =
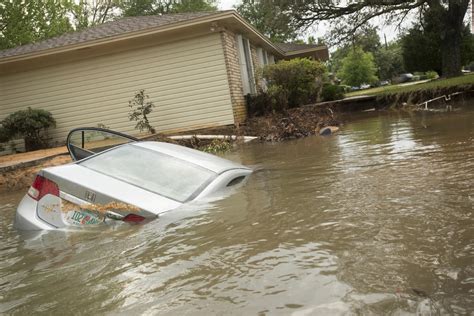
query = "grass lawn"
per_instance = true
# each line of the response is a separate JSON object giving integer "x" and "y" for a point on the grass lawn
{"x": 440, "y": 83}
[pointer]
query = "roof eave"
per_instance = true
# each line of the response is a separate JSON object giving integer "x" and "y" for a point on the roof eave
{"x": 308, "y": 50}
{"x": 257, "y": 33}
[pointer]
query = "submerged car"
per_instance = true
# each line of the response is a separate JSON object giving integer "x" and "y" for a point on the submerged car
{"x": 115, "y": 177}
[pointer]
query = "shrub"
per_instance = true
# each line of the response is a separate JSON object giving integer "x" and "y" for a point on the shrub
{"x": 259, "y": 104}
{"x": 217, "y": 146}
{"x": 471, "y": 66}
{"x": 31, "y": 124}
{"x": 295, "y": 82}
{"x": 139, "y": 109}
{"x": 431, "y": 74}
{"x": 332, "y": 92}
{"x": 3, "y": 135}
{"x": 345, "y": 88}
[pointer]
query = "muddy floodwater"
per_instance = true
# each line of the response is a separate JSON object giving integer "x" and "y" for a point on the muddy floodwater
{"x": 377, "y": 219}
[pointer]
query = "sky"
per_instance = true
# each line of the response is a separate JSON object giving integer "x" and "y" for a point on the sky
{"x": 227, "y": 4}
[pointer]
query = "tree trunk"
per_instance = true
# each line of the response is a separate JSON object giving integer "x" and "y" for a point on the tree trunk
{"x": 451, "y": 47}
{"x": 451, "y": 54}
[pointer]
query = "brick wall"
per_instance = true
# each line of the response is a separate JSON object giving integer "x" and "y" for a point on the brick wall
{"x": 234, "y": 76}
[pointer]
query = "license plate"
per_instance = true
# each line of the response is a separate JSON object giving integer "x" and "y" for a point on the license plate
{"x": 79, "y": 216}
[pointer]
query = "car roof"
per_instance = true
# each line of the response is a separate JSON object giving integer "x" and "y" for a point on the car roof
{"x": 205, "y": 160}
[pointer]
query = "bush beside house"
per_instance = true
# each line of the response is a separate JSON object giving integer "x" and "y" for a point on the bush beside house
{"x": 290, "y": 83}
{"x": 31, "y": 124}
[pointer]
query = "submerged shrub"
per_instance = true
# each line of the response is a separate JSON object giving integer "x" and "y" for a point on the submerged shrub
{"x": 293, "y": 83}
{"x": 31, "y": 124}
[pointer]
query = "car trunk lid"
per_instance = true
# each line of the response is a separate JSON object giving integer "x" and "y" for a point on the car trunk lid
{"x": 86, "y": 196}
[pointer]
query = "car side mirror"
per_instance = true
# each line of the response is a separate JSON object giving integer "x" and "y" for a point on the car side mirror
{"x": 87, "y": 141}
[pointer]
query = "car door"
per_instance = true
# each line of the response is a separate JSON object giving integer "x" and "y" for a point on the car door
{"x": 87, "y": 141}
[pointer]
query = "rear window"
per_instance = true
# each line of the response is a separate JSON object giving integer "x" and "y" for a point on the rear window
{"x": 150, "y": 170}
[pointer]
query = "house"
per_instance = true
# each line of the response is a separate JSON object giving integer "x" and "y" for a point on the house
{"x": 196, "y": 68}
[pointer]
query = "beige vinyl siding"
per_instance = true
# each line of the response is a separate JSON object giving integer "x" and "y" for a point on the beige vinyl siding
{"x": 186, "y": 80}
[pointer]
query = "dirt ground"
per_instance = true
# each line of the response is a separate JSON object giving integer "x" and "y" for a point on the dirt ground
{"x": 21, "y": 178}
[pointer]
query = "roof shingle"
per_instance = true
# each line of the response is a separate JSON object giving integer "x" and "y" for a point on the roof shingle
{"x": 109, "y": 29}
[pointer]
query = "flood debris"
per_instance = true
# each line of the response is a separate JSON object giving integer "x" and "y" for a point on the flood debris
{"x": 328, "y": 130}
{"x": 293, "y": 123}
{"x": 99, "y": 208}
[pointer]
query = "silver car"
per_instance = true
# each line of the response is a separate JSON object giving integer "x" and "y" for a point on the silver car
{"x": 116, "y": 178}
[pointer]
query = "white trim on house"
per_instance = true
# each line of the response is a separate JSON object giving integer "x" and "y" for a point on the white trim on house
{"x": 246, "y": 65}
{"x": 262, "y": 56}
{"x": 271, "y": 59}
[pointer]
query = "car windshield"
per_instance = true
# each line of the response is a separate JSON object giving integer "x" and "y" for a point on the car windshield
{"x": 150, "y": 170}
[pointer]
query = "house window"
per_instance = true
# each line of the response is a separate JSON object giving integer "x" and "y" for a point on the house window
{"x": 246, "y": 66}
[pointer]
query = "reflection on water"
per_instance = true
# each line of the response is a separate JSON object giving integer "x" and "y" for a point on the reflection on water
{"x": 377, "y": 219}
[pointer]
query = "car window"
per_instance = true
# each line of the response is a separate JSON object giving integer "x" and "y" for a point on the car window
{"x": 153, "y": 171}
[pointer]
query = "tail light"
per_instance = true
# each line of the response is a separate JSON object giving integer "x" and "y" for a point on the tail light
{"x": 133, "y": 218}
{"x": 42, "y": 186}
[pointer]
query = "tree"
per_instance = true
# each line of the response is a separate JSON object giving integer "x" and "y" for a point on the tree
{"x": 358, "y": 68}
{"x": 366, "y": 38}
{"x": 389, "y": 61}
{"x": 270, "y": 18}
{"x": 154, "y": 7}
{"x": 350, "y": 15}
{"x": 87, "y": 13}
{"x": 27, "y": 21}
{"x": 422, "y": 45}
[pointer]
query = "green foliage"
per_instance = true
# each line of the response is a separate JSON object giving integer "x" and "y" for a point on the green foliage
{"x": 153, "y": 7}
{"x": 86, "y": 13}
{"x": 29, "y": 124}
{"x": 27, "y": 21}
{"x": 422, "y": 47}
{"x": 365, "y": 38}
{"x": 347, "y": 16}
{"x": 332, "y": 92}
{"x": 140, "y": 107}
{"x": 358, "y": 68}
{"x": 423, "y": 44}
{"x": 294, "y": 82}
{"x": 269, "y": 17}
{"x": 467, "y": 47}
{"x": 217, "y": 146}
{"x": 4, "y": 137}
{"x": 431, "y": 75}
{"x": 260, "y": 104}
{"x": 389, "y": 61}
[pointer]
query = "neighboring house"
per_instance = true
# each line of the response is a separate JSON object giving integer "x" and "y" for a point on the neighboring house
{"x": 196, "y": 68}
